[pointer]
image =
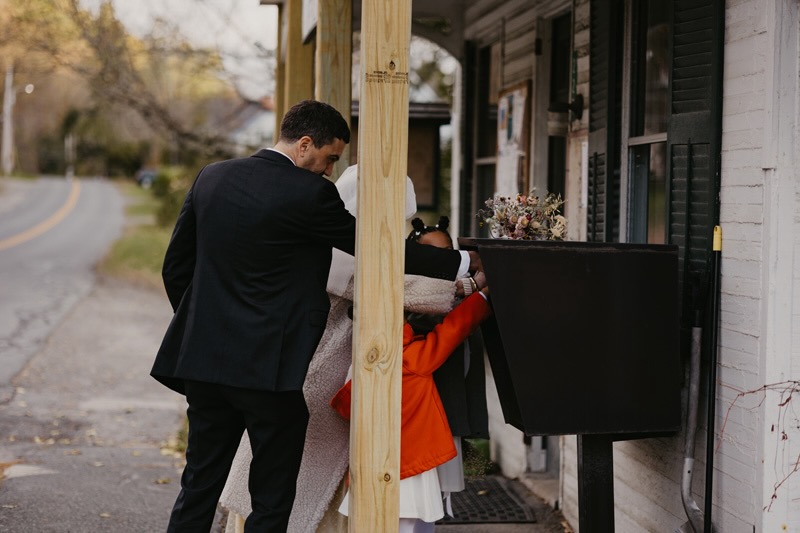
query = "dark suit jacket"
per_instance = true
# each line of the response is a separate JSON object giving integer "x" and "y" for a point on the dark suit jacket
{"x": 246, "y": 271}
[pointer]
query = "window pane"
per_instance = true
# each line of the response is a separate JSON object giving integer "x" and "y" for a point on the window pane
{"x": 556, "y": 165}
{"x": 656, "y": 195}
{"x": 651, "y": 64}
{"x": 648, "y": 194}
{"x": 560, "y": 59}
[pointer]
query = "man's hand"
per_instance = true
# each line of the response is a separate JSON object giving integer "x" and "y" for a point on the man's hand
{"x": 475, "y": 264}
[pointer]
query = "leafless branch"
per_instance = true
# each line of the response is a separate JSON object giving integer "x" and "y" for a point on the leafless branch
{"x": 786, "y": 391}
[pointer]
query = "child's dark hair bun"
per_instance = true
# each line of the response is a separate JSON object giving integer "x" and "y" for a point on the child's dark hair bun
{"x": 421, "y": 229}
{"x": 418, "y": 224}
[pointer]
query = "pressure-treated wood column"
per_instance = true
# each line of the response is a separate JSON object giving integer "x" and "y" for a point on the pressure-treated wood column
{"x": 334, "y": 62}
{"x": 378, "y": 312}
{"x": 299, "y": 66}
{"x": 280, "y": 75}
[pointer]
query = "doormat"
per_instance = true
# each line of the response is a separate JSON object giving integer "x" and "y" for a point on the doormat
{"x": 488, "y": 500}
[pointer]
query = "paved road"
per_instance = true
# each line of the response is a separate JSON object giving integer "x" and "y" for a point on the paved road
{"x": 83, "y": 428}
{"x": 52, "y": 232}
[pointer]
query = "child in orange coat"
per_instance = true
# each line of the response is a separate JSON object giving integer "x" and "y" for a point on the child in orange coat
{"x": 461, "y": 380}
{"x": 425, "y": 437}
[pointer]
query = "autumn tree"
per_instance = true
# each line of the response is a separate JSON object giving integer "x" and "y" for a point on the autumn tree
{"x": 158, "y": 93}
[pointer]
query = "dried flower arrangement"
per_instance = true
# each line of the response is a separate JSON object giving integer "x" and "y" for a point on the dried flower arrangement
{"x": 525, "y": 217}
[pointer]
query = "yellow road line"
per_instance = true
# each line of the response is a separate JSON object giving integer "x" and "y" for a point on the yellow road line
{"x": 47, "y": 224}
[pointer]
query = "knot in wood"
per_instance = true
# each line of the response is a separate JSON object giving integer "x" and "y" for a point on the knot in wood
{"x": 387, "y": 478}
{"x": 372, "y": 356}
{"x": 391, "y": 65}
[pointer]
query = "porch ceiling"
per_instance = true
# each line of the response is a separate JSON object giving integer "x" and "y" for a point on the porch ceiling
{"x": 440, "y": 21}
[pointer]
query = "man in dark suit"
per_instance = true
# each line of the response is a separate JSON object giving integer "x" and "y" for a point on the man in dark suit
{"x": 245, "y": 272}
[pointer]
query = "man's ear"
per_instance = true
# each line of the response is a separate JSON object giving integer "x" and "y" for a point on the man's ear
{"x": 305, "y": 142}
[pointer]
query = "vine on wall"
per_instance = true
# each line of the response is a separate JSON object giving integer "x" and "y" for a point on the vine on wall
{"x": 788, "y": 420}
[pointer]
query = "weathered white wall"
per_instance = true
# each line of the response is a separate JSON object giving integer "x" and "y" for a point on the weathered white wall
{"x": 758, "y": 334}
{"x": 779, "y": 428}
{"x": 575, "y": 209}
{"x": 744, "y": 107}
{"x": 506, "y": 445}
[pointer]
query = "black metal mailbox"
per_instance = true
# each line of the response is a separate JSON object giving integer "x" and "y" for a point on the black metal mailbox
{"x": 585, "y": 336}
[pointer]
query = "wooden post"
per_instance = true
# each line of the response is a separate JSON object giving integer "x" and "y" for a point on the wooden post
{"x": 378, "y": 312}
{"x": 596, "y": 483}
{"x": 280, "y": 74}
{"x": 299, "y": 66}
{"x": 333, "y": 64}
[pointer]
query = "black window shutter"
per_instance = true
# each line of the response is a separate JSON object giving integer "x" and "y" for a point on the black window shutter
{"x": 605, "y": 62}
{"x": 693, "y": 140}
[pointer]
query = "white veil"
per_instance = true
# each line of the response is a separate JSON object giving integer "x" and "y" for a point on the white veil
{"x": 343, "y": 264}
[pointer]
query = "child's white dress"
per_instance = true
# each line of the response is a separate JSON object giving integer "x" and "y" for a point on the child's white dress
{"x": 420, "y": 497}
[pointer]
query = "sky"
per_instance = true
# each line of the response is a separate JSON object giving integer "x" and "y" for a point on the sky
{"x": 238, "y": 28}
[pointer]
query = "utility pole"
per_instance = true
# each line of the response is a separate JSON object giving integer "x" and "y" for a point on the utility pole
{"x": 9, "y": 98}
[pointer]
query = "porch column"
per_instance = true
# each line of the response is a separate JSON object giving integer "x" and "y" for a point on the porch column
{"x": 378, "y": 309}
{"x": 333, "y": 63}
{"x": 299, "y": 64}
{"x": 280, "y": 74}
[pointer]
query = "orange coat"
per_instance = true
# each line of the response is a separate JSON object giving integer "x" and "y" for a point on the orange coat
{"x": 425, "y": 438}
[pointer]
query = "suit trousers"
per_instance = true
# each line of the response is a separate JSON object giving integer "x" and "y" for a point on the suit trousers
{"x": 218, "y": 415}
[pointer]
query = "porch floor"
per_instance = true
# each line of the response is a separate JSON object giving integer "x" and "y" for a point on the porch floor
{"x": 547, "y": 520}
{"x": 489, "y": 499}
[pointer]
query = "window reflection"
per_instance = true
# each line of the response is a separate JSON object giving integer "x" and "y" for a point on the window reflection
{"x": 484, "y": 190}
{"x": 649, "y": 174}
{"x": 649, "y": 105}
{"x": 651, "y": 63}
